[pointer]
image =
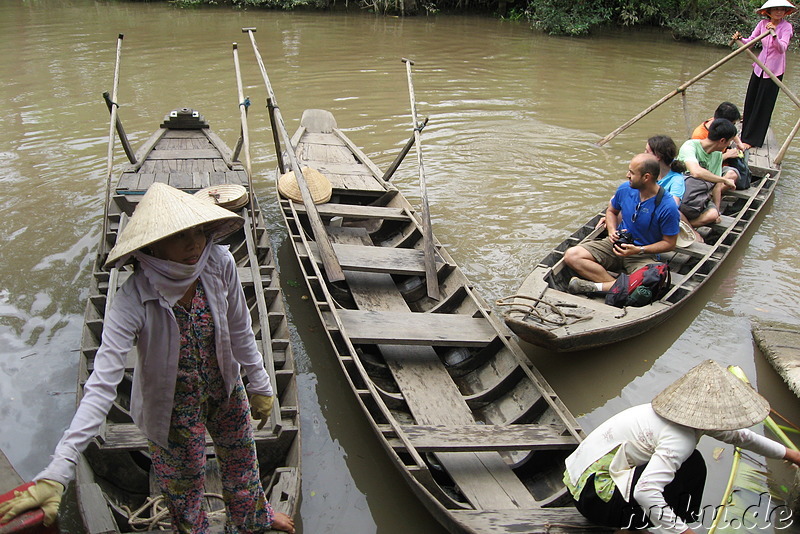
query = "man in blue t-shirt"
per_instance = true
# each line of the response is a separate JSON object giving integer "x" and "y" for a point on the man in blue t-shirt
{"x": 653, "y": 224}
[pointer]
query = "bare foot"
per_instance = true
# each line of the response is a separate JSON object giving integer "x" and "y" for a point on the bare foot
{"x": 746, "y": 146}
{"x": 283, "y": 522}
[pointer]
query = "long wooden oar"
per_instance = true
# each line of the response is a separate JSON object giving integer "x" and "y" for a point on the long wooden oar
{"x": 399, "y": 159}
{"x": 243, "y": 105}
{"x": 252, "y": 243}
{"x": 431, "y": 278}
{"x": 785, "y": 146}
{"x": 111, "y": 130}
{"x": 325, "y": 248}
{"x": 681, "y": 89}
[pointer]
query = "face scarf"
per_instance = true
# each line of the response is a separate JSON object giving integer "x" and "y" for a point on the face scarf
{"x": 169, "y": 278}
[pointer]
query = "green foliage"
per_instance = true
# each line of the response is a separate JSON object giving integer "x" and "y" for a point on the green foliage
{"x": 706, "y": 20}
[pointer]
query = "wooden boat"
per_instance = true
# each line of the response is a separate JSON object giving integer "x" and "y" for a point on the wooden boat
{"x": 115, "y": 486}
{"x": 543, "y": 313}
{"x": 475, "y": 430}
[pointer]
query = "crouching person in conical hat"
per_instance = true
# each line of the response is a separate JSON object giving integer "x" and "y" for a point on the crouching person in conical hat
{"x": 185, "y": 310}
{"x": 641, "y": 470}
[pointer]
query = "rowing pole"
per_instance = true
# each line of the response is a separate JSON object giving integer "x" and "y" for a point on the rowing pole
{"x": 431, "y": 278}
{"x": 681, "y": 88}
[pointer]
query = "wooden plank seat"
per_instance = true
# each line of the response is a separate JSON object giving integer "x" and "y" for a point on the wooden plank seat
{"x": 352, "y": 211}
{"x": 696, "y": 249}
{"x": 741, "y": 193}
{"x": 329, "y": 167}
{"x": 406, "y": 261}
{"x": 406, "y": 328}
{"x": 196, "y": 153}
{"x": 473, "y": 438}
{"x": 133, "y": 183}
{"x": 128, "y": 437}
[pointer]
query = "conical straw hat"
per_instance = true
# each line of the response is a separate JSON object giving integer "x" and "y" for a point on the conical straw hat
{"x": 229, "y": 196}
{"x": 769, "y": 4}
{"x": 318, "y": 185}
{"x": 164, "y": 211}
{"x": 709, "y": 397}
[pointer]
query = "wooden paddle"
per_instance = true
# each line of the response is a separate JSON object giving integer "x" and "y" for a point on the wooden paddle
{"x": 431, "y": 278}
{"x": 681, "y": 89}
{"x": 111, "y": 131}
{"x": 328, "y": 256}
{"x": 399, "y": 159}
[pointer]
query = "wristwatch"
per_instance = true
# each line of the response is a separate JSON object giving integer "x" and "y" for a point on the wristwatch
{"x": 641, "y": 251}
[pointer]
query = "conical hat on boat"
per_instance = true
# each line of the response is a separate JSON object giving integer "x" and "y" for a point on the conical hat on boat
{"x": 318, "y": 185}
{"x": 164, "y": 211}
{"x": 769, "y": 4}
{"x": 229, "y": 196}
{"x": 686, "y": 235}
{"x": 709, "y": 397}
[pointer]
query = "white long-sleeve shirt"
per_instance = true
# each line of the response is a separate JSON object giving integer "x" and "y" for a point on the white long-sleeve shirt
{"x": 644, "y": 437}
{"x": 140, "y": 315}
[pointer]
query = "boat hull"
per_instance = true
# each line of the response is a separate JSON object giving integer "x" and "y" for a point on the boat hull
{"x": 471, "y": 425}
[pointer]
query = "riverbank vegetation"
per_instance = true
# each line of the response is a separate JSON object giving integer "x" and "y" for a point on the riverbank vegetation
{"x": 695, "y": 20}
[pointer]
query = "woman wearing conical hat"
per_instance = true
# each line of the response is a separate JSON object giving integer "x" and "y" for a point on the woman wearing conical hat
{"x": 185, "y": 311}
{"x": 641, "y": 470}
{"x": 762, "y": 91}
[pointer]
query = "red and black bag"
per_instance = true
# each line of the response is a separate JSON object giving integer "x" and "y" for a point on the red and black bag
{"x": 644, "y": 286}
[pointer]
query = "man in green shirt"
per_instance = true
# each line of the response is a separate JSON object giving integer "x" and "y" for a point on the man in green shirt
{"x": 703, "y": 159}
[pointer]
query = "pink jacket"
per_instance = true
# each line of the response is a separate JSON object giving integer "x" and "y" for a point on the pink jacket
{"x": 140, "y": 312}
{"x": 773, "y": 51}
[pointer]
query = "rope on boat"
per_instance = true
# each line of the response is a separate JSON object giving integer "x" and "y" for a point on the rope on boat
{"x": 158, "y": 515}
{"x": 551, "y": 307}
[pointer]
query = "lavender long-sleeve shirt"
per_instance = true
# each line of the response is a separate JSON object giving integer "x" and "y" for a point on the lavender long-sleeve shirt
{"x": 773, "y": 51}
{"x": 140, "y": 316}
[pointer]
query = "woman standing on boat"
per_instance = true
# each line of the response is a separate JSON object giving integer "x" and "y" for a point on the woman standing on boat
{"x": 762, "y": 92}
{"x": 641, "y": 470}
{"x": 185, "y": 310}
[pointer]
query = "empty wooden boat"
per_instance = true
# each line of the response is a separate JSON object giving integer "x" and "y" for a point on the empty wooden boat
{"x": 116, "y": 490}
{"x": 475, "y": 430}
{"x": 543, "y": 313}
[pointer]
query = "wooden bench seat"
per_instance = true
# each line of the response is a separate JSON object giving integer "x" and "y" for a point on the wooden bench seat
{"x": 696, "y": 249}
{"x": 128, "y": 437}
{"x": 406, "y": 328}
{"x": 481, "y": 438}
{"x": 352, "y": 211}
{"x": 378, "y": 259}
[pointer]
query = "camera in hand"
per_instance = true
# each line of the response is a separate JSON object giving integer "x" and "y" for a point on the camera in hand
{"x": 624, "y": 238}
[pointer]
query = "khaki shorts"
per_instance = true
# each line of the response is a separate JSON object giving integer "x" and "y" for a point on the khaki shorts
{"x": 603, "y": 252}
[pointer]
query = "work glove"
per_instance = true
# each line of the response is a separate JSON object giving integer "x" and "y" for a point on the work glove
{"x": 44, "y": 494}
{"x": 261, "y": 408}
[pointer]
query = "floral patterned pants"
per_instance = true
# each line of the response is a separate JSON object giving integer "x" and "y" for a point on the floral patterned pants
{"x": 201, "y": 404}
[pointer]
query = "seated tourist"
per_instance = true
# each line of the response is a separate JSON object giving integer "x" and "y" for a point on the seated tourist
{"x": 708, "y": 180}
{"x": 640, "y": 226}
{"x": 670, "y": 175}
{"x": 726, "y": 110}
